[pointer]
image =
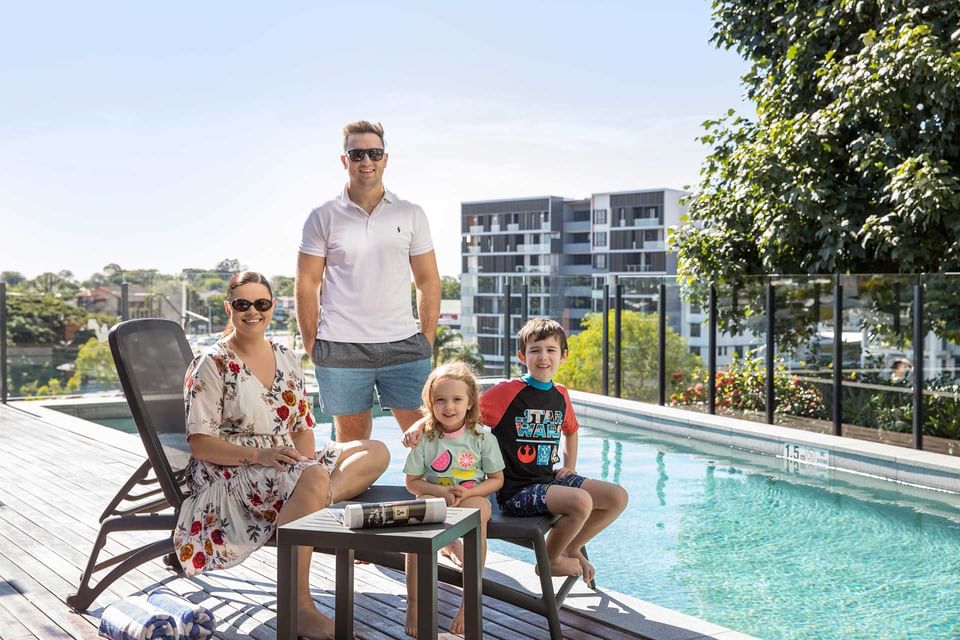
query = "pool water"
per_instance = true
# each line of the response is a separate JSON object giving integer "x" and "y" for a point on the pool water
{"x": 773, "y": 549}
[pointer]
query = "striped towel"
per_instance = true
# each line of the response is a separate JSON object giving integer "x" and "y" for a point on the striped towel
{"x": 134, "y": 618}
{"x": 193, "y": 622}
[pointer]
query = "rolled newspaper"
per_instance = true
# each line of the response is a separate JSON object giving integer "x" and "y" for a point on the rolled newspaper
{"x": 395, "y": 513}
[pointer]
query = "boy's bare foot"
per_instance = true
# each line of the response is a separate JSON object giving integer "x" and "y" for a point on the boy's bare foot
{"x": 588, "y": 572}
{"x": 563, "y": 566}
{"x": 410, "y": 625}
{"x": 314, "y": 625}
{"x": 454, "y": 553}
{"x": 457, "y": 625}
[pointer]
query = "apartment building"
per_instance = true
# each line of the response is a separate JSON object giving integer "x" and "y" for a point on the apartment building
{"x": 563, "y": 251}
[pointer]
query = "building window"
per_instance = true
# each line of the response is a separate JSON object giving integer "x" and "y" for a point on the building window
{"x": 695, "y": 351}
{"x": 600, "y": 216}
{"x": 600, "y": 261}
{"x": 599, "y": 238}
{"x": 694, "y": 329}
{"x": 694, "y": 307}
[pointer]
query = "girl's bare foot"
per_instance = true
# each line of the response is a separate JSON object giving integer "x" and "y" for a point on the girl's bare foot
{"x": 457, "y": 625}
{"x": 563, "y": 566}
{"x": 454, "y": 553}
{"x": 314, "y": 625}
{"x": 410, "y": 626}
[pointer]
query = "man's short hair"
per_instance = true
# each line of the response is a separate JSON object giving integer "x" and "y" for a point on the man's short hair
{"x": 362, "y": 126}
{"x": 540, "y": 329}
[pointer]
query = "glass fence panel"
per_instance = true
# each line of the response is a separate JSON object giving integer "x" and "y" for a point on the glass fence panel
{"x": 640, "y": 351}
{"x": 741, "y": 336}
{"x": 878, "y": 355}
{"x": 941, "y": 357}
{"x": 803, "y": 342}
{"x": 686, "y": 319}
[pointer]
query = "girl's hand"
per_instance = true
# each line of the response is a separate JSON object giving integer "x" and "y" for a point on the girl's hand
{"x": 412, "y": 435}
{"x": 452, "y": 495}
{"x": 277, "y": 457}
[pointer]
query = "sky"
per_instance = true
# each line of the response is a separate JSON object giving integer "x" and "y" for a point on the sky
{"x": 174, "y": 135}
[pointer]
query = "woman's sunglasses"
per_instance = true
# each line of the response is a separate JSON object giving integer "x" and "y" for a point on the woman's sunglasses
{"x": 356, "y": 155}
{"x": 261, "y": 305}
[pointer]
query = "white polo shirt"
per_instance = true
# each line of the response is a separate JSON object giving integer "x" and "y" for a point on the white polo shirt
{"x": 365, "y": 296}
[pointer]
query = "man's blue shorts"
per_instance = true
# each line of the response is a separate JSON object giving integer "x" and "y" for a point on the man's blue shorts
{"x": 348, "y": 373}
{"x": 532, "y": 500}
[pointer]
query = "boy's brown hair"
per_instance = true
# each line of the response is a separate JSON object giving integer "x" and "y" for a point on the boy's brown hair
{"x": 541, "y": 329}
{"x": 362, "y": 126}
{"x": 454, "y": 371}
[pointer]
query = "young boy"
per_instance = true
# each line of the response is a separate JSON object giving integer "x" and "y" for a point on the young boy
{"x": 532, "y": 419}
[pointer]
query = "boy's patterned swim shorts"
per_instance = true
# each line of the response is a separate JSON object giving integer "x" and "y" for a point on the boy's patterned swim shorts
{"x": 532, "y": 500}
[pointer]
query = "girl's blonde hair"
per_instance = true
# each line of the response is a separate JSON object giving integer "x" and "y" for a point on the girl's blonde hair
{"x": 452, "y": 371}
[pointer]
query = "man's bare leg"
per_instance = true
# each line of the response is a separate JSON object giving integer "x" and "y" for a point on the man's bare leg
{"x": 357, "y": 426}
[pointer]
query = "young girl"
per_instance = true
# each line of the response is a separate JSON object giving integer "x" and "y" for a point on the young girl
{"x": 456, "y": 459}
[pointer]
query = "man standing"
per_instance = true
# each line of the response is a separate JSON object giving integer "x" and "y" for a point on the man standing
{"x": 356, "y": 255}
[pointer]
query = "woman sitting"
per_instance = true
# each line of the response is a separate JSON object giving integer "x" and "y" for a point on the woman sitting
{"x": 254, "y": 463}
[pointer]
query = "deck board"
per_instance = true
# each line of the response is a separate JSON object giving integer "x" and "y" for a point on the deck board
{"x": 55, "y": 483}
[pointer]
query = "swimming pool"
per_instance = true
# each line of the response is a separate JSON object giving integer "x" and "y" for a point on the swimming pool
{"x": 770, "y": 548}
{"x": 763, "y": 546}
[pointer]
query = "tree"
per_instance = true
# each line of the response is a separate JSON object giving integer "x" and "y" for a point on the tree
{"x": 230, "y": 265}
{"x": 445, "y": 343}
{"x": 582, "y": 369}
{"x": 470, "y": 355}
{"x": 449, "y": 288}
{"x": 853, "y": 161}
{"x": 41, "y": 319}
{"x": 94, "y": 368}
{"x": 282, "y": 285}
{"x": 12, "y": 278}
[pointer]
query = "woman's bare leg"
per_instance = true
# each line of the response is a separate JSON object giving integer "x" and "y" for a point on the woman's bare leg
{"x": 361, "y": 463}
{"x": 309, "y": 496}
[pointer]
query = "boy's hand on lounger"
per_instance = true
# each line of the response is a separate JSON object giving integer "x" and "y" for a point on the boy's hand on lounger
{"x": 277, "y": 457}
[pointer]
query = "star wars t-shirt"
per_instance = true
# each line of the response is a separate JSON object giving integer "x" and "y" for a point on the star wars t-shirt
{"x": 527, "y": 417}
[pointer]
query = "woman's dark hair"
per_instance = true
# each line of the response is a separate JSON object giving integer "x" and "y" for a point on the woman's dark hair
{"x": 238, "y": 280}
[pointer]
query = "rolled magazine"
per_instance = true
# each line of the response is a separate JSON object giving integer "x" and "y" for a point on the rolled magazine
{"x": 395, "y": 513}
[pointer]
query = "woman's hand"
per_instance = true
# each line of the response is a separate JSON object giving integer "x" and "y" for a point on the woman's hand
{"x": 277, "y": 457}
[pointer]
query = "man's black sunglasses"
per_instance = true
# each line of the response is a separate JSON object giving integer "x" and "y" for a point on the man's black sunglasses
{"x": 356, "y": 155}
{"x": 261, "y": 305}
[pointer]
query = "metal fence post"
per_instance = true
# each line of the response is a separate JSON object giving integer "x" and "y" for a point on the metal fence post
{"x": 918, "y": 365}
{"x": 524, "y": 304}
{"x": 605, "y": 344}
{"x": 712, "y": 353}
{"x": 506, "y": 328}
{"x": 124, "y": 300}
{"x": 662, "y": 346}
{"x": 617, "y": 340}
{"x": 771, "y": 327}
{"x": 3, "y": 342}
{"x": 838, "y": 358}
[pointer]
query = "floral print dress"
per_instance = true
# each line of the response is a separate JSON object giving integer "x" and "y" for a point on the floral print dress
{"x": 232, "y": 510}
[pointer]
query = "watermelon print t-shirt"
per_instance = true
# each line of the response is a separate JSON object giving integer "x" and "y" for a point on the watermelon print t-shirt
{"x": 463, "y": 460}
{"x": 527, "y": 417}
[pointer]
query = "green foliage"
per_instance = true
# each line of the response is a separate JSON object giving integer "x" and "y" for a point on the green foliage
{"x": 448, "y": 346}
{"x": 449, "y": 288}
{"x": 40, "y": 318}
{"x": 282, "y": 285}
{"x": 853, "y": 161}
{"x": 582, "y": 369}
{"x": 742, "y": 388}
{"x": 94, "y": 368}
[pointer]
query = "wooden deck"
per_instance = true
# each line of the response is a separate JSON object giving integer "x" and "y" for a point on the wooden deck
{"x": 55, "y": 481}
